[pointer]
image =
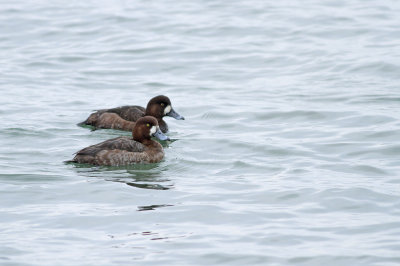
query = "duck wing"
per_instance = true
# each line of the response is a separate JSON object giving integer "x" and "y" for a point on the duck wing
{"x": 129, "y": 112}
{"x": 120, "y": 143}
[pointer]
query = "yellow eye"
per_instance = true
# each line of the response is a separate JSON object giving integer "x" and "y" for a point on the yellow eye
{"x": 148, "y": 125}
{"x": 162, "y": 104}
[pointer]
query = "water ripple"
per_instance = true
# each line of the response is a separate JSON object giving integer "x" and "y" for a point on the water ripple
{"x": 288, "y": 154}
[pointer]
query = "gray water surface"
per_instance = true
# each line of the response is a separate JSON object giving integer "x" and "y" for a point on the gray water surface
{"x": 289, "y": 154}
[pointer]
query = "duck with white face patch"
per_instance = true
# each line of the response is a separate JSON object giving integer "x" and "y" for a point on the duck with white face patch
{"x": 139, "y": 148}
{"x": 124, "y": 117}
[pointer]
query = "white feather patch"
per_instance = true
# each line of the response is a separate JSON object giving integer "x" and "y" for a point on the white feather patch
{"x": 167, "y": 109}
{"x": 153, "y": 130}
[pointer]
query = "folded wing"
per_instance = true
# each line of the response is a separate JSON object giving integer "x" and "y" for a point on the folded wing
{"x": 120, "y": 143}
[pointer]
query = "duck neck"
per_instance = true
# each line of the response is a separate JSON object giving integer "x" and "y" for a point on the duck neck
{"x": 151, "y": 144}
{"x": 147, "y": 142}
{"x": 154, "y": 112}
{"x": 163, "y": 126}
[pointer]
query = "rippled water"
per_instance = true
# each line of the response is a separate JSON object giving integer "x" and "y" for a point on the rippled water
{"x": 289, "y": 153}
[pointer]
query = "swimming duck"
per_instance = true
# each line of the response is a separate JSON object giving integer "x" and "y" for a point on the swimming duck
{"x": 126, "y": 150}
{"x": 124, "y": 117}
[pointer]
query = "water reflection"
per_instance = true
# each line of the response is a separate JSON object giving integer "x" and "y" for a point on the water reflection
{"x": 149, "y": 184}
{"x": 153, "y": 235}
{"x": 145, "y": 176}
{"x": 153, "y": 207}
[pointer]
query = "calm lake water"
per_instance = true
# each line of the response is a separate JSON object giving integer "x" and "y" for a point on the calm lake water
{"x": 289, "y": 153}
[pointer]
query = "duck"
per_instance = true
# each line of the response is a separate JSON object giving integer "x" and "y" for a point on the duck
{"x": 124, "y": 117}
{"x": 125, "y": 150}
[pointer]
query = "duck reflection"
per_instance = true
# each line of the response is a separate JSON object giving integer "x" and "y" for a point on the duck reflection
{"x": 140, "y": 183}
{"x": 153, "y": 207}
{"x": 145, "y": 176}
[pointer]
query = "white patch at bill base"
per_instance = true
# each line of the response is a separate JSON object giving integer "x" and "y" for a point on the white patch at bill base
{"x": 167, "y": 109}
{"x": 153, "y": 130}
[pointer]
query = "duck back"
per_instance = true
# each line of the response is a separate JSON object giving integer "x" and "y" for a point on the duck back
{"x": 120, "y": 151}
{"x": 130, "y": 113}
{"x": 122, "y": 118}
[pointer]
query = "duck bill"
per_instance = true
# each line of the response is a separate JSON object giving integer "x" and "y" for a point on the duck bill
{"x": 175, "y": 115}
{"x": 160, "y": 135}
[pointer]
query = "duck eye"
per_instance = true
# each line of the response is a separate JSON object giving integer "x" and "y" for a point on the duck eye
{"x": 148, "y": 125}
{"x": 162, "y": 104}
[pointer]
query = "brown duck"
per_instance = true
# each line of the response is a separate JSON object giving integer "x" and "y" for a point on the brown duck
{"x": 124, "y": 117}
{"x": 126, "y": 150}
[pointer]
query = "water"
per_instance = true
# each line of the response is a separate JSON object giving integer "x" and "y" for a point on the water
{"x": 289, "y": 153}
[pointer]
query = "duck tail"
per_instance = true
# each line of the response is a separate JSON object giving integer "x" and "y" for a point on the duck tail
{"x": 91, "y": 120}
{"x": 81, "y": 124}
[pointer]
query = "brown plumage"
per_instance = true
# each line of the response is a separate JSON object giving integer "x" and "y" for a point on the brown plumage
{"x": 110, "y": 120}
{"x": 123, "y": 117}
{"x": 125, "y": 150}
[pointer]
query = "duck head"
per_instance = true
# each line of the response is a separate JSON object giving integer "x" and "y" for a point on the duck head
{"x": 160, "y": 106}
{"x": 147, "y": 127}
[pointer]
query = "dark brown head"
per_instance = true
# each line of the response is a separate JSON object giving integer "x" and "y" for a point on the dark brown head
{"x": 147, "y": 127}
{"x": 160, "y": 106}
